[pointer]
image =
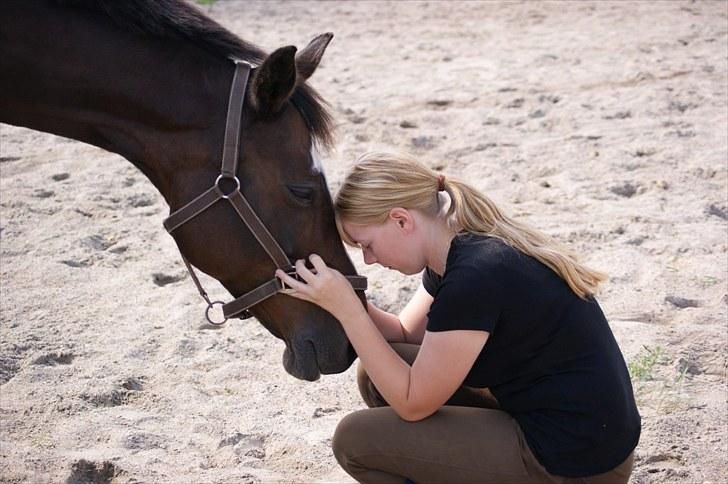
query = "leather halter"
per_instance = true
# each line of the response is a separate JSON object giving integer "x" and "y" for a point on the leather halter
{"x": 238, "y": 307}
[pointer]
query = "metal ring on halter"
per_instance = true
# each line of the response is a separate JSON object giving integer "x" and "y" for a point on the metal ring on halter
{"x": 219, "y": 190}
{"x": 207, "y": 314}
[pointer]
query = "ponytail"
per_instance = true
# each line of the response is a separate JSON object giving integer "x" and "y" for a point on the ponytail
{"x": 381, "y": 181}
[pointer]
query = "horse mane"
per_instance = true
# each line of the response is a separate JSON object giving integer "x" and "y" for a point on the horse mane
{"x": 178, "y": 19}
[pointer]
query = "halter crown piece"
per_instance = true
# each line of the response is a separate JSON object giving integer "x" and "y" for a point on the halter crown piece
{"x": 228, "y": 173}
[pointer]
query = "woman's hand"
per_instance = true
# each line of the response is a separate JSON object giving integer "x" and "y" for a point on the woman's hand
{"x": 323, "y": 286}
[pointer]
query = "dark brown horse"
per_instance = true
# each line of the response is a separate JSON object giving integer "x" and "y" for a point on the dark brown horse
{"x": 150, "y": 80}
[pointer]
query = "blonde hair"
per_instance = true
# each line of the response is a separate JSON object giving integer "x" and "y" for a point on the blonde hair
{"x": 381, "y": 181}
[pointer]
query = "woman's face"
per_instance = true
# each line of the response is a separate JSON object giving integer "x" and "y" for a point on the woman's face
{"x": 387, "y": 244}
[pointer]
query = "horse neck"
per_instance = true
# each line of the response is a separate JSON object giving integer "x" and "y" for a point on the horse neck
{"x": 157, "y": 102}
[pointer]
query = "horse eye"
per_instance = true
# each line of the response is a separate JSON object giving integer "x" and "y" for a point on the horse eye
{"x": 301, "y": 194}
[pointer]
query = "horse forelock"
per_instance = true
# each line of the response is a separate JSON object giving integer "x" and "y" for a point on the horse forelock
{"x": 178, "y": 19}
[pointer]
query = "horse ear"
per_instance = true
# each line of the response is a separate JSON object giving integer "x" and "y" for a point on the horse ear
{"x": 274, "y": 81}
{"x": 308, "y": 59}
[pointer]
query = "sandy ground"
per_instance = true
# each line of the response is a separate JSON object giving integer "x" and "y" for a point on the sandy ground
{"x": 604, "y": 124}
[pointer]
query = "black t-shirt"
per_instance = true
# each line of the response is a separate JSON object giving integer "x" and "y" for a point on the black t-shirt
{"x": 551, "y": 359}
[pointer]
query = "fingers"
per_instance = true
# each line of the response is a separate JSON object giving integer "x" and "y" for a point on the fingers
{"x": 318, "y": 263}
{"x": 320, "y": 267}
{"x": 308, "y": 288}
{"x": 294, "y": 284}
{"x": 304, "y": 272}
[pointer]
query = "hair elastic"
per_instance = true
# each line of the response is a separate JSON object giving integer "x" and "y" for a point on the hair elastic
{"x": 440, "y": 182}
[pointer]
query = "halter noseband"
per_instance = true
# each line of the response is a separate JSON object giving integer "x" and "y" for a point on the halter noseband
{"x": 238, "y": 307}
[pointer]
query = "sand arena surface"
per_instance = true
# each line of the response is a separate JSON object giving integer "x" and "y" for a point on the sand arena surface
{"x": 604, "y": 124}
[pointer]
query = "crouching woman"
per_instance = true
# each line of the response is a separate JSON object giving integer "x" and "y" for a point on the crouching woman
{"x": 501, "y": 368}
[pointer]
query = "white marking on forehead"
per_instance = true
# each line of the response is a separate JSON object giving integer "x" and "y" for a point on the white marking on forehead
{"x": 317, "y": 166}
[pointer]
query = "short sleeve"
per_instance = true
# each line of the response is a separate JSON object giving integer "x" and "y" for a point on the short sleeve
{"x": 431, "y": 281}
{"x": 466, "y": 299}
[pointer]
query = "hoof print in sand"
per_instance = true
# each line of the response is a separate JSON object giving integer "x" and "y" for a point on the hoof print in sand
{"x": 98, "y": 242}
{"x": 76, "y": 263}
{"x": 643, "y": 152}
{"x": 681, "y": 302}
{"x": 549, "y": 98}
{"x": 162, "y": 279}
{"x": 88, "y": 472}
{"x": 357, "y": 119}
{"x": 626, "y": 190}
{"x": 41, "y": 193}
{"x": 143, "y": 441}
{"x": 133, "y": 384}
{"x": 516, "y": 103}
{"x": 689, "y": 364}
{"x": 8, "y": 368}
{"x": 53, "y": 359}
{"x": 618, "y": 115}
{"x": 60, "y": 176}
{"x": 141, "y": 200}
{"x": 112, "y": 398}
{"x": 719, "y": 212}
{"x": 246, "y": 444}
{"x": 440, "y": 103}
{"x": 426, "y": 142}
{"x": 320, "y": 412}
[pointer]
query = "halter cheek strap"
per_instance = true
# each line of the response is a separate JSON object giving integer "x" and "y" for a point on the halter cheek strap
{"x": 228, "y": 177}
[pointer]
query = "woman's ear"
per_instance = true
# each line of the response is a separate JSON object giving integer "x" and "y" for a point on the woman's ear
{"x": 402, "y": 217}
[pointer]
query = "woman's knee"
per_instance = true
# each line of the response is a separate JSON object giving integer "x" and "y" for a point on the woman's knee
{"x": 348, "y": 436}
{"x": 367, "y": 390}
{"x": 369, "y": 393}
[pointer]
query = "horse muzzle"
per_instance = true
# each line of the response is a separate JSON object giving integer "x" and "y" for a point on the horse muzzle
{"x": 308, "y": 355}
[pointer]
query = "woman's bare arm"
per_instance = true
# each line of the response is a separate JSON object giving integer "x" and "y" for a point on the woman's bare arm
{"x": 409, "y": 326}
{"x": 414, "y": 316}
{"x": 416, "y": 391}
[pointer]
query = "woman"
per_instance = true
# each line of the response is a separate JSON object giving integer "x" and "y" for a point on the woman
{"x": 504, "y": 318}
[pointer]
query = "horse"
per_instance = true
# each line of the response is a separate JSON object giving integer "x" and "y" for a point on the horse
{"x": 150, "y": 81}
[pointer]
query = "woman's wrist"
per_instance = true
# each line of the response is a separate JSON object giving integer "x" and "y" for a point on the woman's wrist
{"x": 350, "y": 313}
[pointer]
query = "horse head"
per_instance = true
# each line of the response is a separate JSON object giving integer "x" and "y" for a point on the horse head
{"x": 150, "y": 80}
{"x": 281, "y": 177}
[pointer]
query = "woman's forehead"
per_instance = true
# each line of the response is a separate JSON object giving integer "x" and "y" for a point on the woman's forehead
{"x": 359, "y": 231}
